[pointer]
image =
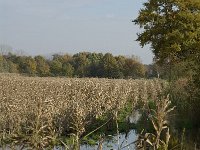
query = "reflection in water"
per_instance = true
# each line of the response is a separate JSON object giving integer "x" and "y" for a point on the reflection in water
{"x": 113, "y": 144}
{"x": 108, "y": 144}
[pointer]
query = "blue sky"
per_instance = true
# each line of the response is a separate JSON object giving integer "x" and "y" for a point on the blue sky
{"x": 71, "y": 26}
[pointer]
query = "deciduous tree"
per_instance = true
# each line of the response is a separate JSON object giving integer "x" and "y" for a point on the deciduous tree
{"x": 171, "y": 27}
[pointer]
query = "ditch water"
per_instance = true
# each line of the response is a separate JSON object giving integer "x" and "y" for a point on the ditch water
{"x": 112, "y": 144}
{"x": 121, "y": 142}
{"x": 124, "y": 140}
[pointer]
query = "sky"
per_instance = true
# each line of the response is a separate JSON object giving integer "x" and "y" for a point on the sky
{"x": 44, "y": 27}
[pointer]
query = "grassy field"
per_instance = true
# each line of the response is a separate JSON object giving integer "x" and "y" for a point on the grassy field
{"x": 36, "y": 112}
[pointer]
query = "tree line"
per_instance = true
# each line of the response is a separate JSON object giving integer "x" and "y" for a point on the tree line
{"x": 84, "y": 64}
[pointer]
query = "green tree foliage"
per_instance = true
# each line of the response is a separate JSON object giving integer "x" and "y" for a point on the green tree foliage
{"x": 7, "y": 65}
{"x": 152, "y": 71}
{"x": 12, "y": 68}
{"x": 133, "y": 68}
{"x": 81, "y": 64}
{"x": 109, "y": 67}
{"x": 94, "y": 64}
{"x": 42, "y": 68}
{"x": 121, "y": 61}
{"x": 1, "y": 64}
{"x": 67, "y": 70}
{"x": 28, "y": 65}
{"x": 66, "y": 58}
{"x": 12, "y": 65}
{"x": 56, "y": 67}
{"x": 171, "y": 27}
{"x": 62, "y": 65}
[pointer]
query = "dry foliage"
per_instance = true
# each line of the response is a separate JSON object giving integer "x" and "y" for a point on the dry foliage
{"x": 159, "y": 119}
{"x": 35, "y": 111}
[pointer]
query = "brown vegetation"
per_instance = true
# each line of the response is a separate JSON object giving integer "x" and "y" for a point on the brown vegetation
{"x": 36, "y": 111}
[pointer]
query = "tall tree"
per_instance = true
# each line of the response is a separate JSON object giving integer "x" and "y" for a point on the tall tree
{"x": 26, "y": 64}
{"x": 56, "y": 67}
{"x": 42, "y": 68}
{"x": 133, "y": 69}
{"x": 94, "y": 64}
{"x": 81, "y": 64}
{"x": 109, "y": 67}
{"x": 67, "y": 70}
{"x": 121, "y": 60}
{"x": 171, "y": 27}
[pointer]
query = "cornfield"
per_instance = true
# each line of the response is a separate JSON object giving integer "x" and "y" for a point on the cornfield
{"x": 36, "y": 110}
